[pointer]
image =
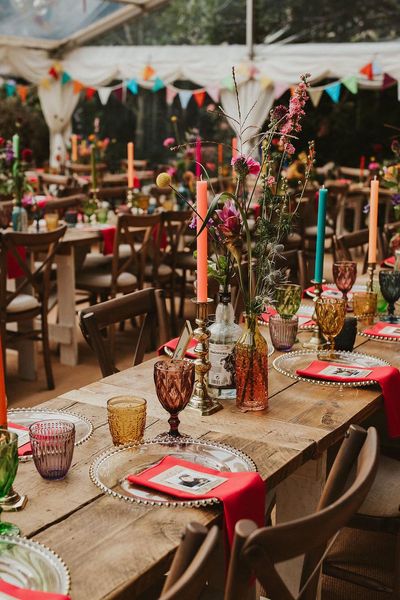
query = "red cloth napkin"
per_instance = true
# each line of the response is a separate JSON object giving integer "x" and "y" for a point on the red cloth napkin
{"x": 243, "y": 494}
{"x": 24, "y": 594}
{"x": 108, "y": 235}
{"x": 378, "y": 328}
{"x": 13, "y": 268}
{"x": 26, "y": 448}
{"x": 171, "y": 345}
{"x": 387, "y": 377}
{"x": 388, "y": 262}
{"x": 303, "y": 319}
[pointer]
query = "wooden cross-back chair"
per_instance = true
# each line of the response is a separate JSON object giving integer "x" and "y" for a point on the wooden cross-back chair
{"x": 256, "y": 552}
{"x": 344, "y": 244}
{"x": 148, "y": 304}
{"x": 31, "y": 294}
{"x": 55, "y": 185}
{"x": 192, "y": 564}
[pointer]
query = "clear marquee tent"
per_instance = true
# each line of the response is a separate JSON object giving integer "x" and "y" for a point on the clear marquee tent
{"x": 34, "y": 34}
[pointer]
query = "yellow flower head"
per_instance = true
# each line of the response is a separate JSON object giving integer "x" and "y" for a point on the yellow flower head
{"x": 174, "y": 118}
{"x": 163, "y": 180}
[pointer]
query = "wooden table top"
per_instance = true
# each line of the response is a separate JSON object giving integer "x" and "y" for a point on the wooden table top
{"x": 117, "y": 550}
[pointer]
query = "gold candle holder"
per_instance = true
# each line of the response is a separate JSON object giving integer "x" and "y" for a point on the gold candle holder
{"x": 201, "y": 400}
{"x": 317, "y": 341}
{"x": 371, "y": 272}
{"x": 129, "y": 197}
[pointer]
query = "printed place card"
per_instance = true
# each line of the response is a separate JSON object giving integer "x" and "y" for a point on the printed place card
{"x": 188, "y": 480}
{"x": 345, "y": 372}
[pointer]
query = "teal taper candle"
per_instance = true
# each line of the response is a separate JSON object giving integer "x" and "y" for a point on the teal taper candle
{"x": 320, "y": 249}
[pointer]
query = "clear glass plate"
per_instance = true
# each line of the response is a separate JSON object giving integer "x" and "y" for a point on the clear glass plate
{"x": 26, "y": 416}
{"x": 110, "y": 470}
{"x": 291, "y": 362}
{"x": 31, "y": 565}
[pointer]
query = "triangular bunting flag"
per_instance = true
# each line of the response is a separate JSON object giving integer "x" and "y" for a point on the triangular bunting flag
{"x": 279, "y": 89}
{"x": 45, "y": 83}
{"x": 265, "y": 82}
{"x": 53, "y": 72}
{"x": 78, "y": 87}
{"x": 184, "y": 97}
{"x": 315, "y": 95}
{"x": 351, "y": 83}
{"x": 171, "y": 93}
{"x": 199, "y": 97}
{"x": 213, "y": 92}
{"x": 10, "y": 88}
{"x": 65, "y": 78}
{"x": 243, "y": 69}
{"x": 22, "y": 91}
{"x": 158, "y": 85}
{"x": 333, "y": 91}
{"x": 228, "y": 83}
{"x": 132, "y": 86}
{"x": 90, "y": 92}
{"x": 104, "y": 94}
{"x": 148, "y": 72}
{"x": 367, "y": 70}
{"x": 376, "y": 68}
{"x": 118, "y": 93}
{"x": 388, "y": 81}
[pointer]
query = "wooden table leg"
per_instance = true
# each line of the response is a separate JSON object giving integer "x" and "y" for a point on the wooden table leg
{"x": 65, "y": 331}
{"x": 296, "y": 497}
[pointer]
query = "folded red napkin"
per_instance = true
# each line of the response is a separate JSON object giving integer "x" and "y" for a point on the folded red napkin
{"x": 171, "y": 345}
{"x": 18, "y": 593}
{"x": 13, "y": 267}
{"x": 108, "y": 235}
{"x": 25, "y": 448}
{"x": 387, "y": 377}
{"x": 242, "y": 494}
{"x": 304, "y": 319}
{"x": 384, "y": 329}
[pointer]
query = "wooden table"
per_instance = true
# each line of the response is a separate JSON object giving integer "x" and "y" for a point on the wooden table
{"x": 116, "y": 550}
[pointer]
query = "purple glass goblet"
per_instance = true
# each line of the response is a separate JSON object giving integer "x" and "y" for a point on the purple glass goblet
{"x": 174, "y": 380}
{"x": 344, "y": 274}
{"x": 52, "y": 447}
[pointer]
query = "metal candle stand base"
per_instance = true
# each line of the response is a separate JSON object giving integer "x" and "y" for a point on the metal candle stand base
{"x": 201, "y": 400}
{"x": 371, "y": 272}
{"x": 317, "y": 340}
{"x": 13, "y": 502}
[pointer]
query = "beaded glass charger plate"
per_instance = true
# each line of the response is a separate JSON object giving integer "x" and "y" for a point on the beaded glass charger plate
{"x": 384, "y": 337}
{"x": 26, "y": 416}
{"x": 290, "y": 363}
{"x": 110, "y": 470}
{"x": 28, "y": 564}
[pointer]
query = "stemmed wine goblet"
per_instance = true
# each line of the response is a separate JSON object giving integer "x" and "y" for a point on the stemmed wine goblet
{"x": 8, "y": 471}
{"x": 174, "y": 380}
{"x": 389, "y": 281}
{"x": 331, "y": 313}
{"x": 344, "y": 274}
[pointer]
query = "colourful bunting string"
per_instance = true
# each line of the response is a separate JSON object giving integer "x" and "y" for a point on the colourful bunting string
{"x": 376, "y": 68}
{"x": 213, "y": 92}
{"x": 158, "y": 85}
{"x": 333, "y": 91}
{"x": 10, "y": 88}
{"x": 199, "y": 98}
{"x": 388, "y": 81}
{"x": 65, "y": 78}
{"x": 104, "y": 94}
{"x": 171, "y": 93}
{"x": 148, "y": 72}
{"x": 132, "y": 86}
{"x": 351, "y": 84}
{"x": 90, "y": 92}
{"x": 45, "y": 83}
{"x": 315, "y": 95}
{"x": 118, "y": 93}
{"x": 53, "y": 73}
{"x": 22, "y": 91}
{"x": 367, "y": 70}
{"x": 228, "y": 83}
{"x": 279, "y": 89}
{"x": 184, "y": 97}
{"x": 78, "y": 87}
{"x": 265, "y": 82}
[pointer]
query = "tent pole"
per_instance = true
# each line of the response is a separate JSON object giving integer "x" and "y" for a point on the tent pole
{"x": 249, "y": 28}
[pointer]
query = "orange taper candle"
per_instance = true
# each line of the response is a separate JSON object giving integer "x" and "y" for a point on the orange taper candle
{"x": 373, "y": 220}
{"x": 74, "y": 147}
{"x": 234, "y": 147}
{"x": 202, "y": 255}
{"x": 131, "y": 176}
{"x": 220, "y": 155}
{"x": 3, "y": 397}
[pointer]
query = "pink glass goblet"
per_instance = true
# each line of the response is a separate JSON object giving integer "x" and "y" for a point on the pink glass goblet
{"x": 345, "y": 274}
{"x": 174, "y": 380}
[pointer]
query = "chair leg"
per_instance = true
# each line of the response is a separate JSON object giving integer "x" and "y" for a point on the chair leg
{"x": 46, "y": 353}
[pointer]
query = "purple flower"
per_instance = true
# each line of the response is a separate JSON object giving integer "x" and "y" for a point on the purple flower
{"x": 396, "y": 199}
{"x": 244, "y": 165}
{"x": 230, "y": 220}
{"x": 168, "y": 142}
{"x": 366, "y": 209}
{"x": 9, "y": 153}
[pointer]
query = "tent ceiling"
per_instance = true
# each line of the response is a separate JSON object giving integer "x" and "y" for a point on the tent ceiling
{"x": 50, "y": 24}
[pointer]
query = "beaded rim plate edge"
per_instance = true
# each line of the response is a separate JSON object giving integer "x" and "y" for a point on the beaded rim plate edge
{"x": 46, "y": 552}
{"x": 55, "y": 412}
{"x": 350, "y": 384}
{"x": 167, "y": 503}
{"x": 379, "y": 338}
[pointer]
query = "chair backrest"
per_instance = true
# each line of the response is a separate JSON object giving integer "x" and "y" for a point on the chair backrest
{"x": 175, "y": 225}
{"x": 60, "y": 205}
{"x": 60, "y": 183}
{"x": 257, "y": 551}
{"x": 112, "y": 193}
{"x": 148, "y": 303}
{"x": 192, "y": 564}
{"x": 343, "y": 244}
{"x": 86, "y": 169}
{"x": 32, "y": 275}
{"x": 388, "y": 232}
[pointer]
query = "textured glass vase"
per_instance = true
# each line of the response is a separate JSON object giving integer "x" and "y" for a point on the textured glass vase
{"x": 251, "y": 364}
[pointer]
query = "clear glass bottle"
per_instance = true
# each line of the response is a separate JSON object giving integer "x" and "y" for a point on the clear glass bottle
{"x": 397, "y": 260}
{"x": 224, "y": 335}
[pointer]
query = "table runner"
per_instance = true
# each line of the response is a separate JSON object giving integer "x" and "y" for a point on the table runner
{"x": 242, "y": 494}
{"x": 7, "y": 590}
{"x": 387, "y": 377}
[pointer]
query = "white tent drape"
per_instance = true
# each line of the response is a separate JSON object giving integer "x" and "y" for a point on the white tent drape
{"x": 205, "y": 66}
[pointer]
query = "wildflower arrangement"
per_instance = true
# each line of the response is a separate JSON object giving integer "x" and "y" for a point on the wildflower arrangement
{"x": 391, "y": 180}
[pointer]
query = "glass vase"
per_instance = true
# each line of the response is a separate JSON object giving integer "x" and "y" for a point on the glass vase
{"x": 19, "y": 218}
{"x": 251, "y": 365}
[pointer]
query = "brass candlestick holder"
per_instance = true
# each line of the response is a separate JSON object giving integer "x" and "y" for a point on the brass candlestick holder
{"x": 317, "y": 341}
{"x": 201, "y": 400}
{"x": 371, "y": 272}
{"x": 129, "y": 197}
{"x": 13, "y": 502}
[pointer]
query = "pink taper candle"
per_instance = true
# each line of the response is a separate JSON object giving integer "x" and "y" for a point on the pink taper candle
{"x": 130, "y": 166}
{"x": 198, "y": 158}
{"x": 234, "y": 147}
{"x": 373, "y": 220}
{"x": 202, "y": 255}
{"x": 3, "y": 397}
